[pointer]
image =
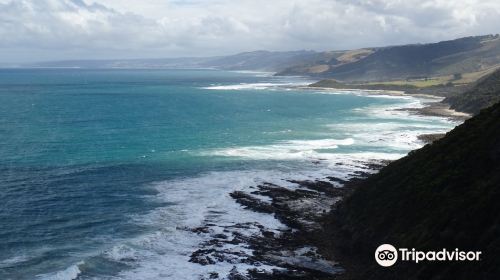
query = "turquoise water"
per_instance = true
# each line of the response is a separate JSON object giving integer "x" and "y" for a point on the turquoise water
{"x": 101, "y": 168}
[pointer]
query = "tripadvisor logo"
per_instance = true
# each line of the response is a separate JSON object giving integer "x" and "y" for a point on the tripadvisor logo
{"x": 387, "y": 255}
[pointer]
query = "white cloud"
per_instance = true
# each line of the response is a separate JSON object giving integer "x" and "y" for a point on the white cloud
{"x": 52, "y": 29}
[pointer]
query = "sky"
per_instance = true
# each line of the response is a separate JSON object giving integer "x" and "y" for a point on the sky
{"x": 41, "y": 30}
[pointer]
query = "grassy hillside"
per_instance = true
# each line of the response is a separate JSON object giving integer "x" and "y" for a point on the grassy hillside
{"x": 444, "y": 195}
{"x": 266, "y": 60}
{"x": 424, "y": 87}
{"x": 329, "y": 61}
{"x": 484, "y": 94}
{"x": 465, "y": 55}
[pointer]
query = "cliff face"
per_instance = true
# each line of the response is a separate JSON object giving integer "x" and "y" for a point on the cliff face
{"x": 445, "y": 195}
{"x": 484, "y": 94}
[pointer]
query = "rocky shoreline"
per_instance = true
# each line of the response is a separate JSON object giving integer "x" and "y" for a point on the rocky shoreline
{"x": 305, "y": 249}
{"x": 439, "y": 109}
{"x": 291, "y": 253}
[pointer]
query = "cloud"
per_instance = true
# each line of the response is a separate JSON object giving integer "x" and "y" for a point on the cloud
{"x": 64, "y": 29}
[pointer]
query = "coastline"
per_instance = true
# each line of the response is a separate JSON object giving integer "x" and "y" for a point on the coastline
{"x": 434, "y": 108}
{"x": 354, "y": 90}
{"x": 303, "y": 250}
{"x": 439, "y": 109}
{"x": 233, "y": 217}
{"x": 299, "y": 251}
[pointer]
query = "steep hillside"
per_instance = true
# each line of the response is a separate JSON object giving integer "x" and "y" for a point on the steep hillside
{"x": 463, "y": 55}
{"x": 330, "y": 61}
{"x": 444, "y": 195}
{"x": 484, "y": 94}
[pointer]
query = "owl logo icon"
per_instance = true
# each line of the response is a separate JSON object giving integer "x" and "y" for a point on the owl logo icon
{"x": 386, "y": 255}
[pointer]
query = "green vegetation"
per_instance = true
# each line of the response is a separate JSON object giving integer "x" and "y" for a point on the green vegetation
{"x": 451, "y": 86}
{"x": 445, "y": 195}
{"x": 456, "y": 79}
{"x": 442, "y": 60}
{"x": 448, "y": 80}
{"x": 421, "y": 83}
{"x": 457, "y": 76}
{"x": 484, "y": 94}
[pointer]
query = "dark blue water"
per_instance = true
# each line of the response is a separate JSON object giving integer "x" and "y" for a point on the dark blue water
{"x": 82, "y": 151}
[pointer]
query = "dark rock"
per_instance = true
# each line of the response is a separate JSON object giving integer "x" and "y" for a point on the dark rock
{"x": 201, "y": 257}
{"x": 251, "y": 202}
{"x": 204, "y": 229}
{"x": 235, "y": 275}
{"x": 338, "y": 180}
{"x": 220, "y": 236}
{"x": 300, "y": 209}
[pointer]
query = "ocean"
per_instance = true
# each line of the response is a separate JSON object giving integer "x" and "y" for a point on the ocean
{"x": 105, "y": 172}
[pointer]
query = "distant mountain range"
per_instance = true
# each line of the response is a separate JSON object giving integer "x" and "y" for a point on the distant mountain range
{"x": 256, "y": 61}
{"x": 464, "y": 55}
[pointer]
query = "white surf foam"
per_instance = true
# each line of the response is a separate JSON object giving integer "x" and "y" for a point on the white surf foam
{"x": 389, "y": 135}
{"x": 393, "y": 131}
{"x": 193, "y": 202}
{"x": 394, "y": 127}
{"x": 365, "y": 93}
{"x": 249, "y": 86}
{"x": 284, "y": 150}
{"x": 255, "y": 73}
{"x": 284, "y": 83}
{"x": 13, "y": 260}
{"x": 69, "y": 273}
{"x": 205, "y": 200}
